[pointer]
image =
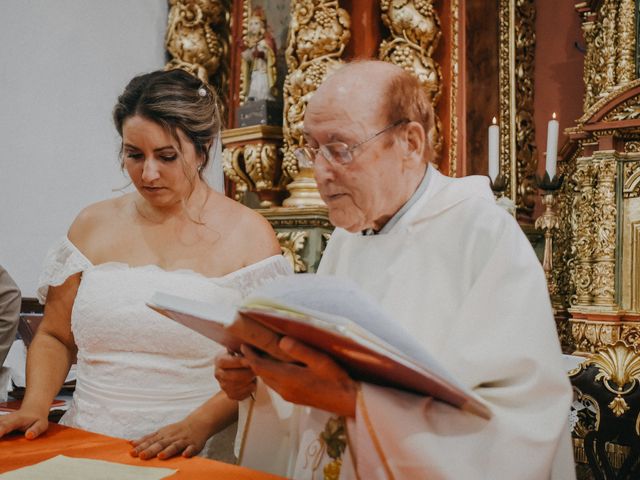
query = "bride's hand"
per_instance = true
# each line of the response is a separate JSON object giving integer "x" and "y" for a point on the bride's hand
{"x": 234, "y": 376}
{"x": 186, "y": 438}
{"x": 31, "y": 423}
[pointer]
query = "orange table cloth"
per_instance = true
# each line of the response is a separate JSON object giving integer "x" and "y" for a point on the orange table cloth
{"x": 16, "y": 451}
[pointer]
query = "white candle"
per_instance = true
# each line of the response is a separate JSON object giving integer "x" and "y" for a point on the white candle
{"x": 494, "y": 150}
{"x": 552, "y": 146}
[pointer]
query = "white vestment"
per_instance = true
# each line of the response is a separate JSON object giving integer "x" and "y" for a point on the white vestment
{"x": 458, "y": 273}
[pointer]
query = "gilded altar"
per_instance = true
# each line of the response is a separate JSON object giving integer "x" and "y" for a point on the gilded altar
{"x": 308, "y": 40}
{"x": 594, "y": 282}
{"x": 598, "y": 271}
{"x": 476, "y": 60}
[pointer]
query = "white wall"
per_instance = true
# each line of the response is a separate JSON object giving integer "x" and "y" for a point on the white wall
{"x": 62, "y": 65}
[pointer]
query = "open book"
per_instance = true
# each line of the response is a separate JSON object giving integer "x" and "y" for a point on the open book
{"x": 335, "y": 316}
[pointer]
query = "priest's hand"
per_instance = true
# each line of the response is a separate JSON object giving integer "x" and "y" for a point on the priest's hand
{"x": 186, "y": 438}
{"x": 235, "y": 376}
{"x": 314, "y": 379}
{"x": 255, "y": 334}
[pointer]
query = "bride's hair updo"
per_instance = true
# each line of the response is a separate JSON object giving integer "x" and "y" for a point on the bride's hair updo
{"x": 175, "y": 100}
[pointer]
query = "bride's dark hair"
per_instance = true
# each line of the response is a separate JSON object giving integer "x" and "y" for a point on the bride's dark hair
{"x": 175, "y": 100}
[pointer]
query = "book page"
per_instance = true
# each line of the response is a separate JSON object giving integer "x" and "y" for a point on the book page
{"x": 342, "y": 302}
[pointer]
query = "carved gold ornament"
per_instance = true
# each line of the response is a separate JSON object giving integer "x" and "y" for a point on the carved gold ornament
{"x": 619, "y": 371}
{"x": 198, "y": 40}
{"x": 586, "y": 408}
{"x": 518, "y": 153}
{"x": 563, "y": 258}
{"x": 414, "y": 32}
{"x": 318, "y": 34}
{"x": 618, "y": 406}
{"x": 582, "y": 246}
{"x": 250, "y": 160}
{"x": 548, "y": 222}
{"x": 591, "y": 336}
{"x": 631, "y": 172}
{"x": 455, "y": 90}
{"x": 609, "y": 34}
{"x": 260, "y": 162}
{"x": 233, "y": 169}
{"x": 605, "y": 232}
{"x": 292, "y": 244}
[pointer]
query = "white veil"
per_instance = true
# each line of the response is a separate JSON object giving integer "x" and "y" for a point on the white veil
{"x": 213, "y": 174}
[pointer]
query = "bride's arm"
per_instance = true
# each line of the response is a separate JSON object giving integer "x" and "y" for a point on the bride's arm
{"x": 188, "y": 437}
{"x": 49, "y": 358}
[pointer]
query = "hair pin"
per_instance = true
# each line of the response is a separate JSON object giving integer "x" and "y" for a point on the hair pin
{"x": 202, "y": 92}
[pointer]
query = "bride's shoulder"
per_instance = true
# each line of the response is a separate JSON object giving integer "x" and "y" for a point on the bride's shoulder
{"x": 98, "y": 220}
{"x": 247, "y": 228}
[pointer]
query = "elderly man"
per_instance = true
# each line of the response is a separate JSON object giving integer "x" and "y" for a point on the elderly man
{"x": 453, "y": 269}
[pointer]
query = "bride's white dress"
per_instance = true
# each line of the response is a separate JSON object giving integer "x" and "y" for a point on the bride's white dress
{"x": 137, "y": 370}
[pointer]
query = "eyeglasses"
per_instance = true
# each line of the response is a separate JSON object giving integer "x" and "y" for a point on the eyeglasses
{"x": 337, "y": 153}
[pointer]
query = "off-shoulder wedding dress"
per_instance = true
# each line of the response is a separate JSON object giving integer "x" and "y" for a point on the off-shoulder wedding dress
{"x": 137, "y": 370}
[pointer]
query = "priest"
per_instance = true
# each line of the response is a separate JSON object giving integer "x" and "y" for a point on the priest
{"x": 449, "y": 266}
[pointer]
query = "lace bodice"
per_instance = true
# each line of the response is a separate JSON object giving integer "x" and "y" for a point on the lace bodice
{"x": 136, "y": 369}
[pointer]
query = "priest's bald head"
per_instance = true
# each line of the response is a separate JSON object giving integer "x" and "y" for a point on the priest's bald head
{"x": 366, "y": 129}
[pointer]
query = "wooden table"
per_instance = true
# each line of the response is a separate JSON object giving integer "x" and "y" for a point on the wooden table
{"x": 16, "y": 451}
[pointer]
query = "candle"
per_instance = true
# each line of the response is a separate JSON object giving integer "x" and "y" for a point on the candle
{"x": 552, "y": 146}
{"x": 494, "y": 150}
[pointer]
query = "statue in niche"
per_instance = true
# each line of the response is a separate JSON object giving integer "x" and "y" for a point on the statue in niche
{"x": 259, "y": 60}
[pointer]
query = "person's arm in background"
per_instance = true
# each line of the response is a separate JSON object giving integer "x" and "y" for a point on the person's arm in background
{"x": 10, "y": 299}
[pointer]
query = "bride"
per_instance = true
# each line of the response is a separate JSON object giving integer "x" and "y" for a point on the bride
{"x": 140, "y": 374}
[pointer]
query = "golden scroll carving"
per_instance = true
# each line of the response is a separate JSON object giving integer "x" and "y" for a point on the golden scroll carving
{"x": 455, "y": 88}
{"x": 292, "y": 244}
{"x": 414, "y": 28}
{"x": 318, "y": 34}
{"x": 518, "y": 155}
{"x": 582, "y": 246}
{"x": 198, "y": 40}
{"x": 604, "y": 248}
{"x": 609, "y": 34}
{"x": 251, "y": 161}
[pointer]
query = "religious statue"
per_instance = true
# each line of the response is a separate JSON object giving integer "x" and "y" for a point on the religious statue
{"x": 259, "y": 60}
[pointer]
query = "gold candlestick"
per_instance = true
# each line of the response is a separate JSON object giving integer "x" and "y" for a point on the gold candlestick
{"x": 549, "y": 222}
{"x": 499, "y": 186}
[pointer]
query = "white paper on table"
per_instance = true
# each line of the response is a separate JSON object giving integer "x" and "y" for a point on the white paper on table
{"x": 5, "y": 383}
{"x": 16, "y": 361}
{"x": 69, "y": 468}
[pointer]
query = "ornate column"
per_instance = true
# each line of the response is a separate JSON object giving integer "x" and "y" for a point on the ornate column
{"x": 454, "y": 85}
{"x": 609, "y": 29}
{"x": 197, "y": 39}
{"x": 414, "y": 31}
{"x": 604, "y": 235}
{"x": 609, "y": 44}
{"x": 518, "y": 154}
{"x": 251, "y": 160}
{"x": 625, "y": 63}
{"x": 592, "y": 81}
{"x": 582, "y": 246}
{"x": 318, "y": 34}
